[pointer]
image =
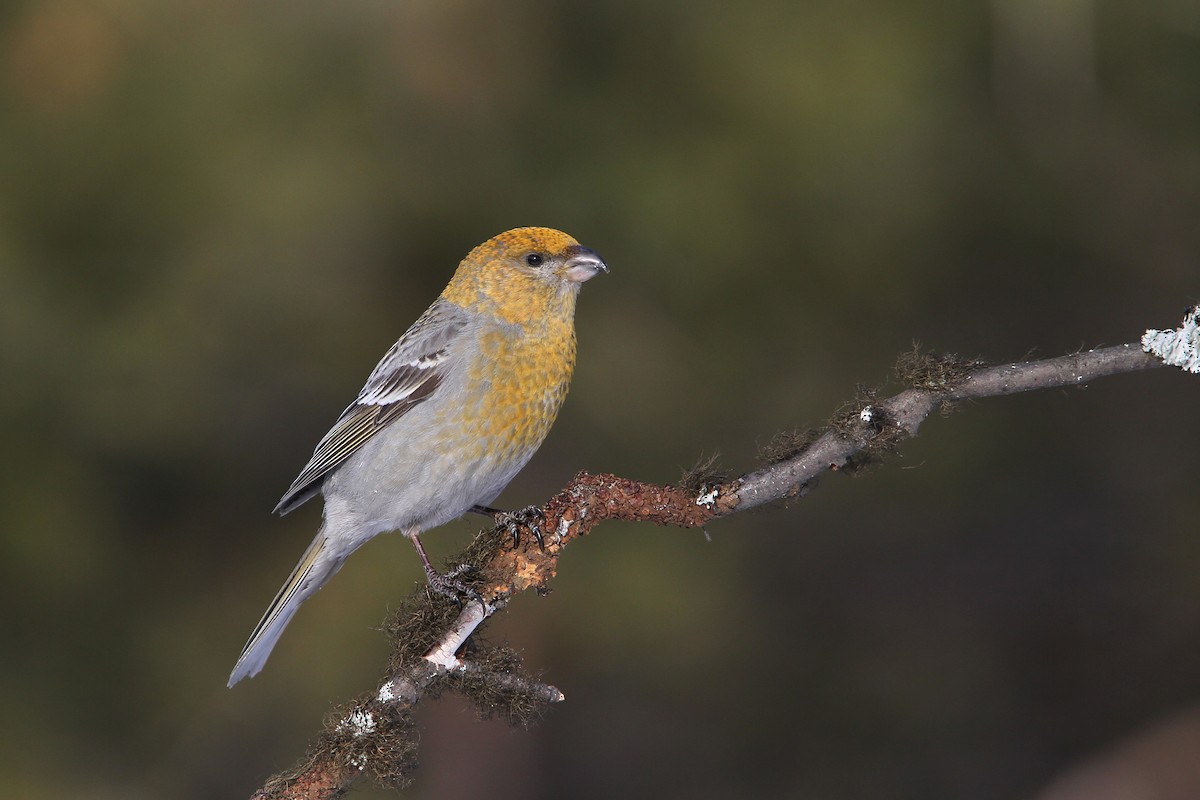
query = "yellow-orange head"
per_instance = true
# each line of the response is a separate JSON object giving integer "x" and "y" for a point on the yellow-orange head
{"x": 524, "y": 275}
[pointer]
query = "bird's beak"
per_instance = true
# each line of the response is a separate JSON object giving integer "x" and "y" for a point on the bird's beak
{"x": 583, "y": 265}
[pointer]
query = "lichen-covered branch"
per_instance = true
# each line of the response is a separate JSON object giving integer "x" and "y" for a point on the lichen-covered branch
{"x": 438, "y": 646}
{"x": 878, "y": 425}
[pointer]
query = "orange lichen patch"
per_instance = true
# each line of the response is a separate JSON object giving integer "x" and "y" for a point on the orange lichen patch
{"x": 611, "y": 497}
{"x": 586, "y": 501}
{"x": 323, "y": 775}
{"x": 521, "y": 570}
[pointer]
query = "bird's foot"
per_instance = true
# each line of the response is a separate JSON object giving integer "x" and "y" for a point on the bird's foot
{"x": 450, "y": 584}
{"x": 513, "y": 521}
{"x": 529, "y": 518}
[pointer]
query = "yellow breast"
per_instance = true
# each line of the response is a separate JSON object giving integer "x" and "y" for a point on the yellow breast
{"x": 523, "y": 376}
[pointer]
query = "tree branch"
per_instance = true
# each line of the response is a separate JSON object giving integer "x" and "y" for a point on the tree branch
{"x": 435, "y": 646}
{"x": 903, "y": 414}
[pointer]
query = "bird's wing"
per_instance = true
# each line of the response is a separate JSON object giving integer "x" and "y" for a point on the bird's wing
{"x": 410, "y": 372}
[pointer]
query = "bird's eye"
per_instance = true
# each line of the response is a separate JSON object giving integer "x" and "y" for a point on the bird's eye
{"x": 534, "y": 259}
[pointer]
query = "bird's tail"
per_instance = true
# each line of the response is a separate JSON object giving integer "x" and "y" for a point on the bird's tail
{"x": 316, "y": 566}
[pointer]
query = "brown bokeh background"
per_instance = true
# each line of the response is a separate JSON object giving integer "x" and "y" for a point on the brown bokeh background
{"x": 215, "y": 217}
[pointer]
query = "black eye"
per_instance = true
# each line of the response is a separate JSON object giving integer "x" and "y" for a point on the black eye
{"x": 534, "y": 259}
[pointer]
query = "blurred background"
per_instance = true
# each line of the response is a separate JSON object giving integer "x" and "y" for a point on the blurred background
{"x": 216, "y": 217}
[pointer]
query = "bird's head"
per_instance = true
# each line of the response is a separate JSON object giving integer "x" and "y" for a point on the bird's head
{"x": 524, "y": 273}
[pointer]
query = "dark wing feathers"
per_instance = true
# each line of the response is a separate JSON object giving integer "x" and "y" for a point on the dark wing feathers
{"x": 410, "y": 372}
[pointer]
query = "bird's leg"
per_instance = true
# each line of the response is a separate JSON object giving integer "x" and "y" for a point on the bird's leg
{"x": 513, "y": 521}
{"x": 446, "y": 584}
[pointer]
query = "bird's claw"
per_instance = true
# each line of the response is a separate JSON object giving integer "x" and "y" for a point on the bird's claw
{"x": 527, "y": 517}
{"x": 449, "y": 584}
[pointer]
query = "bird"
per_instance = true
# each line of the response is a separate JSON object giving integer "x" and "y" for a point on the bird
{"x": 449, "y": 416}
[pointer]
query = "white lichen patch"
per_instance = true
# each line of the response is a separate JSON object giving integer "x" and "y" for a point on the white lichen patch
{"x": 563, "y": 527}
{"x": 1177, "y": 348}
{"x": 359, "y": 723}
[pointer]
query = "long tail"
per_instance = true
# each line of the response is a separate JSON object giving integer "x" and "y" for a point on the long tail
{"x": 316, "y": 566}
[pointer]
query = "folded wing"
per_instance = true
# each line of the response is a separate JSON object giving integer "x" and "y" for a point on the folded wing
{"x": 410, "y": 373}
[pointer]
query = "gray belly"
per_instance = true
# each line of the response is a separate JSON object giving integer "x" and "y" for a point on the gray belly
{"x": 417, "y": 475}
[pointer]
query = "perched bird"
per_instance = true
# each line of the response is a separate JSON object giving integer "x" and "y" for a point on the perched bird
{"x": 449, "y": 416}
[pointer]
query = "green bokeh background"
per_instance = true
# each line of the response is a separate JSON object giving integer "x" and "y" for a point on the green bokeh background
{"x": 216, "y": 217}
